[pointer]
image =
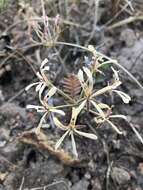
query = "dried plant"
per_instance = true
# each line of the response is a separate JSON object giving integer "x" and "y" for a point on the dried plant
{"x": 80, "y": 89}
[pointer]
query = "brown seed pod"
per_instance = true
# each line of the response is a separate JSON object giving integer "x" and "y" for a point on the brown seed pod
{"x": 71, "y": 86}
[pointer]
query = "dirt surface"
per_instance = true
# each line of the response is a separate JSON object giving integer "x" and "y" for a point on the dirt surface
{"x": 113, "y": 162}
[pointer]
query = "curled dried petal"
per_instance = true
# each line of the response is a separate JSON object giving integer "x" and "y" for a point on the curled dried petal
{"x": 61, "y": 112}
{"x": 118, "y": 116}
{"x": 125, "y": 97}
{"x": 103, "y": 106}
{"x": 87, "y": 135}
{"x": 37, "y": 108}
{"x": 114, "y": 127}
{"x": 107, "y": 89}
{"x": 59, "y": 124}
{"x": 31, "y": 85}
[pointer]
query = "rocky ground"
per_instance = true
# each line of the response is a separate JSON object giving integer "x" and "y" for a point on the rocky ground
{"x": 112, "y": 163}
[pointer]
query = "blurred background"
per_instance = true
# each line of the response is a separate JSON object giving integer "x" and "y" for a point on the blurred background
{"x": 29, "y": 32}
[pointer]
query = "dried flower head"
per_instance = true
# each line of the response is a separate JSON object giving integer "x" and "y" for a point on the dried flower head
{"x": 72, "y": 128}
{"x": 45, "y": 108}
{"x": 43, "y": 80}
{"x": 80, "y": 90}
{"x": 89, "y": 94}
{"x": 107, "y": 117}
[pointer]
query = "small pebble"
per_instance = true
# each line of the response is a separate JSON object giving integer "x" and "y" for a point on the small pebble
{"x": 120, "y": 175}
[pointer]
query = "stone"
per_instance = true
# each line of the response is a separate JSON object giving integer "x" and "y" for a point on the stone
{"x": 132, "y": 57}
{"x": 120, "y": 176}
{"x": 128, "y": 36}
{"x": 11, "y": 109}
{"x": 81, "y": 185}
